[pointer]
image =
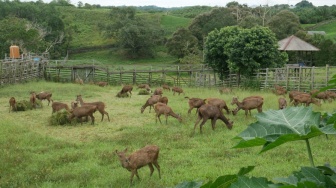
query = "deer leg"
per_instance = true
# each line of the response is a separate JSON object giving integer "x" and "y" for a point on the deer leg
{"x": 102, "y": 116}
{"x": 166, "y": 115}
{"x": 227, "y": 109}
{"x": 150, "y": 107}
{"x": 156, "y": 164}
{"x": 189, "y": 111}
{"x": 213, "y": 123}
{"x": 197, "y": 121}
{"x": 203, "y": 122}
{"x": 151, "y": 168}
{"x": 132, "y": 175}
{"x": 92, "y": 119}
{"x": 108, "y": 117}
{"x": 158, "y": 116}
{"x": 136, "y": 173}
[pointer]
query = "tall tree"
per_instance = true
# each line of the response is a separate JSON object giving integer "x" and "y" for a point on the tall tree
{"x": 284, "y": 24}
{"x": 136, "y": 35}
{"x": 216, "y": 50}
{"x": 207, "y": 22}
{"x": 242, "y": 50}
{"x": 252, "y": 49}
{"x": 182, "y": 43}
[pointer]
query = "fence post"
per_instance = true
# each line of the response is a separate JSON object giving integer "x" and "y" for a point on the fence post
{"x": 134, "y": 76}
{"x": 178, "y": 76}
{"x": 312, "y": 80}
{"x": 120, "y": 76}
{"x": 266, "y": 79}
{"x": 287, "y": 77}
{"x": 300, "y": 74}
{"x": 327, "y": 74}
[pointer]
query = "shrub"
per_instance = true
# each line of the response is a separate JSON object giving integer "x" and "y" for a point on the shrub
{"x": 26, "y": 105}
{"x": 59, "y": 118}
{"x": 144, "y": 92}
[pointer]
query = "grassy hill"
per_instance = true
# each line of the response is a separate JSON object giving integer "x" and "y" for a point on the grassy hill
{"x": 84, "y": 23}
{"x": 87, "y": 35}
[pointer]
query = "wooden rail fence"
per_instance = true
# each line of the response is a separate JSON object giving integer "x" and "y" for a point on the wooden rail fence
{"x": 291, "y": 77}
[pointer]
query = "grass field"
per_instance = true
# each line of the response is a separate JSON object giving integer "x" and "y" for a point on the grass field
{"x": 35, "y": 154}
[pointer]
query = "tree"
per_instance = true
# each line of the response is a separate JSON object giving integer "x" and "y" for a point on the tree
{"x": 304, "y": 4}
{"x": 252, "y": 49}
{"x": 207, "y": 22}
{"x": 242, "y": 50}
{"x": 216, "y": 52}
{"x": 35, "y": 27}
{"x": 182, "y": 43}
{"x": 284, "y": 24}
{"x": 250, "y": 22}
{"x": 20, "y": 32}
{"x": 136, "y": 35}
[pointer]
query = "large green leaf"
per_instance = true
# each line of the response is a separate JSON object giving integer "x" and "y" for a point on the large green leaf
{"x": 247, "y": 182}
{"x": 276, "y": 127}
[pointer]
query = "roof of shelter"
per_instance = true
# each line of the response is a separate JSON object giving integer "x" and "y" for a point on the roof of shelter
{"x": 316, "y": 32}
{"x": 294, "y": 43}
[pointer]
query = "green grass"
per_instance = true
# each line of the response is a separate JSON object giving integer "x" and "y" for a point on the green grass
{"x": 329, "y": 28}
{"x": 34, "y": 154}
{"x": 171, "y": 23}
{"x": 84, "y": 24}
{"x": 112, "y": 57}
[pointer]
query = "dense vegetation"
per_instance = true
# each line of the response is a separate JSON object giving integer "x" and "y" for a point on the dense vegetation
{"x": 61, "y": 28}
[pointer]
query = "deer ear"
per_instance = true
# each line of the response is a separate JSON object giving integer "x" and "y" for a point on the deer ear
{"x": 116, "y": 151}
{"x": 125, "y": 150}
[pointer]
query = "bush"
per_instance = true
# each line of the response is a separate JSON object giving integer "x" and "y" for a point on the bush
{"x": 143, "y": 92}
{"x": 26, "y": 105}
{"x": 59, "y": 118}
{"x": 124, "y": 95}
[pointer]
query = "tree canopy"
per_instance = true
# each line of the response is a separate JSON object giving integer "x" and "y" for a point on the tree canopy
{"x": 136, "y": 35}
{"x": 284, "y": 24}
{"x": 242, "y": 50}
{"x": 182, "y": 43}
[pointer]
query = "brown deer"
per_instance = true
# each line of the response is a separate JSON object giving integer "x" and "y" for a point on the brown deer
{"x": 248, "y": 104}
{"x": 147, "y": 155}
{"x": 100, "y": 106}
{"x": 177, "y": 90}
{"x": 44, "y": 96}
{"x": 32, "y": 99}
{"x": 166, "y": 87}
{"x": 12, "y": 104}
{"x": 195, "y": 103}
{"x": 126, "y": 89}
{"x": 83, "y": 111}
{"x": 212, "y": 112}
{"x": 161, "y": 108}
{"x": 57, "y": 106}
{"x": 282, "y": 103}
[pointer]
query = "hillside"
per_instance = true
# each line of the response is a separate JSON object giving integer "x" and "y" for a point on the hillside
{"x": 329, "y": 27}
{"x": 88, "y": 43}
{"x": 84, "y": 23}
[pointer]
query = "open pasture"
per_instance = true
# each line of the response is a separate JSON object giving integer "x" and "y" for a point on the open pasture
{"x": 35, "y": 154}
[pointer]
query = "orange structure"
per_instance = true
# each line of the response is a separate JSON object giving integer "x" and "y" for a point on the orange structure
{"x": 14, "y": 52}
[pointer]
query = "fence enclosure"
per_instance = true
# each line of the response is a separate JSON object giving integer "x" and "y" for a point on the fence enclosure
{"x": 291, "y": 77}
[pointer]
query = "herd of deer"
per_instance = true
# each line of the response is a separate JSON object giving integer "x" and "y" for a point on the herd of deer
{"x": 209, "y": 108}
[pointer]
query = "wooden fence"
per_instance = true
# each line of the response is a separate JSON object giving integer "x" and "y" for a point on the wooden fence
{"x": 291, "y": 77}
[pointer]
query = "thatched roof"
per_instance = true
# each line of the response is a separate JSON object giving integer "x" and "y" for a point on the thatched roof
{"x": 294, "y": 43}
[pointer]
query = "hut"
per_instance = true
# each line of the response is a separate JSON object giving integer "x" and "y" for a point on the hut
{"x": 300, "y": 52}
